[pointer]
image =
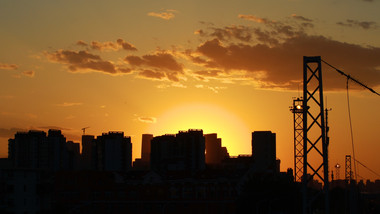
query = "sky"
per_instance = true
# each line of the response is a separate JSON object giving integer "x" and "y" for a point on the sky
{"x": 227, "y": 67}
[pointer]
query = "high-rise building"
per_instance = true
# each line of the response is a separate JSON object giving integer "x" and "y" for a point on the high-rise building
{"x": 26, "y": 150}
{"x": 264, "y": 150}
{"x": 88, "y": 155}
{"x": 145, "y": 147}
{"x": 36, "y": 150}
{"x": 114, "y": 152}
{"x": 57, "y": 150}
{"x": 215, "y": 153}
{"x": 183, "y": 151}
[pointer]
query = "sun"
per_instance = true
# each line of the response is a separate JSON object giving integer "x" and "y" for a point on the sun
{"x": 211, "y": 119}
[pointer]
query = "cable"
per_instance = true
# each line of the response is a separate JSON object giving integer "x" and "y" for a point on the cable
{"x": 352, "y": 135}
{"x": 367, "y": 168}
{"x": 349, "y": 77}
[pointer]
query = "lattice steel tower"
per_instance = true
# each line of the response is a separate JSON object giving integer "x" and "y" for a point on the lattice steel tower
{"x": 347, "y": 171}
{"x": 297, "y": 110}
{"x": 315, "y": 143}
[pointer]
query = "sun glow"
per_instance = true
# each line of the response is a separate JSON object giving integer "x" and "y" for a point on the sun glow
{"x": 211, "y": 119}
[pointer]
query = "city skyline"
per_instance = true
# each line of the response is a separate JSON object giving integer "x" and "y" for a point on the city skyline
{"x": 156, "y": 67}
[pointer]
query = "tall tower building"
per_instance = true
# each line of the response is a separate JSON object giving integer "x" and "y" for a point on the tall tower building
{"x": 264, "y": 150}
{"x": 88, "y": 152}
{"x": 145, "y": 147}
{"x": 114, "y": 152}
{"x": 215, "y": 153}
{"x": 57, "y": 150}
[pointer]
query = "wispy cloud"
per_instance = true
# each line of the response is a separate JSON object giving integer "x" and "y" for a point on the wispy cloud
{"x": 108, "y": 45}
{"x": 68, "y": 104}
{"x": 147, "y": 119}
{"x": 10, "y": 132}
{"x": 5, "y": 66}
{"x": 254, "y": 18}
{"x": 362, "y": 24}
{"x": 53, "y": 127}
{"x": 29, "y": 73}
{"x": 167, "y": 14}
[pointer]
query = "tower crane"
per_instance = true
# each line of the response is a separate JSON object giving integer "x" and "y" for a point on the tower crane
{"x": 84, "y": 130}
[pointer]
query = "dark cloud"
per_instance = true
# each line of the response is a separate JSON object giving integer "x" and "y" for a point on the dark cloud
{"x": 158, "y": 60}
{"x": 281, "y": 65}
{"x": 273, "y": 56}
{"x": 238, "y": 32}
{"x": 157, "y": 66}
{"x": 270, "y": 33}
{"x": 362, "y": 24}
{"x": 81, "y": 60}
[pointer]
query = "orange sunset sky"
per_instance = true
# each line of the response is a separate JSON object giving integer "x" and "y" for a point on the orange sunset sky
{"x": 227, "y": 67}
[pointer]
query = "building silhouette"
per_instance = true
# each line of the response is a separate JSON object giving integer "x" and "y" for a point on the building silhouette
{"x": 264, "y": 151}
{"x": 145, "y": 147}
{"x": 113, "y": 152}
{"x": 143, "y": 163}
{"x": 36, "y": 150}
{"x": 88, "y": 156}
{"x": 184, "y": 151}
{"x": 215, "y": 153}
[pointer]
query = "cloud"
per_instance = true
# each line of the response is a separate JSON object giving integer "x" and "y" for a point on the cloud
{"x": 157, "y": 60}
{"x": 108, "y": 46}
{"x": 240, "y": 32}
{"x": 167, "y": 15}
{"x": 281, "y": 66}
{"x": 215, "y": 89}
{"x": 152, "y": 74}
{"x": 53, "y": 127}
{"x": 147, "y": 119}
{"x": 5, "y": 66}
{"x": 158, "y": 66}
{"x": 362, "y": 24}
{"x": 82, "y": 43}
{"x": 81, "y": 61}
{"x": 126, "y": 45}
{"x": 29, "y": 73}
{"x": 9, "y": 133}
{"x": 104, "y": 46}
{"x": 67, "y": 104}
{"x": 301, "y": 18}
{"x": 272, "y": 58}
{"x": 254, "y": 18}
{"x": 270, "y": 32}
